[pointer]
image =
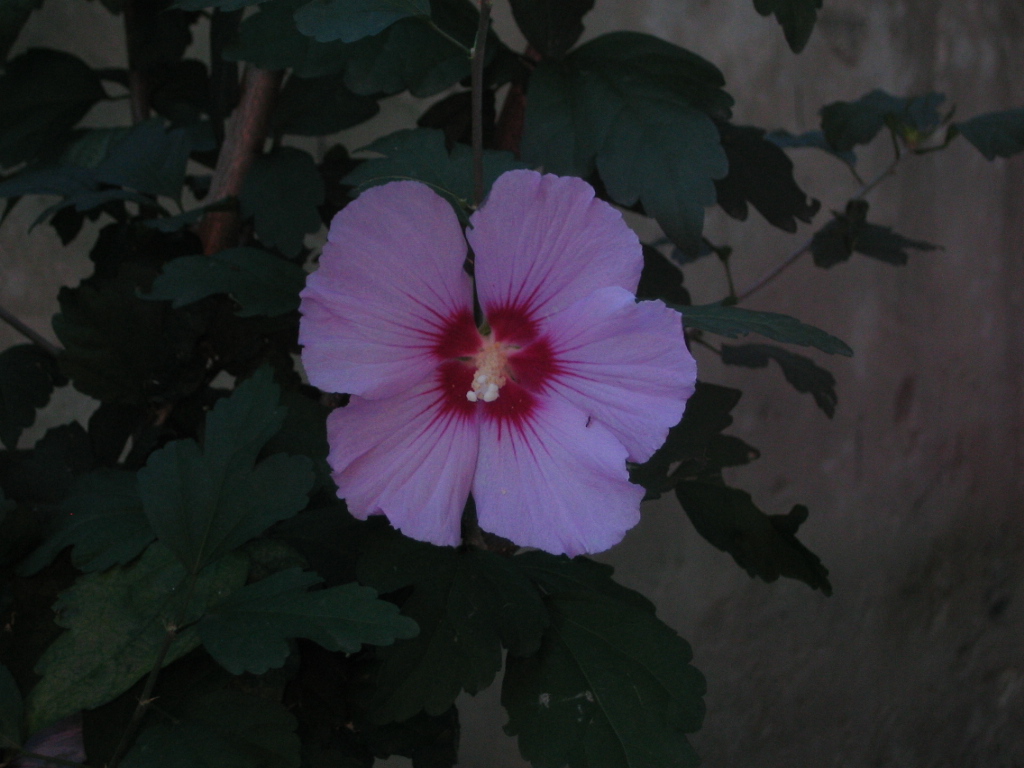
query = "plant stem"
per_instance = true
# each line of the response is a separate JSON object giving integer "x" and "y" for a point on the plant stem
{"x": 138, "y": 88}
{"x": 477, "y": 75}
{"x": 28, "y": 333}
{"x": 795, "y": 255}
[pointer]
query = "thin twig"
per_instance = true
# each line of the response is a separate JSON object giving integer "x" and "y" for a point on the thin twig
{"x": 795, "y": 255}
{"x": 449, "y": 38}
{"x": 138, "y": 88}
{"x": 31, "y": 335}
{"x": 477, "y": 75}
{"x": 243, "y": 140}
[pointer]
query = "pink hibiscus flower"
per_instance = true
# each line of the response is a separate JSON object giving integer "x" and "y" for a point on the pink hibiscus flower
{"x": 536, "y": 412}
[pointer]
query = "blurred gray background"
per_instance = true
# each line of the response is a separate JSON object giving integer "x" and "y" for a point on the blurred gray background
{"x": 915, "y": 487}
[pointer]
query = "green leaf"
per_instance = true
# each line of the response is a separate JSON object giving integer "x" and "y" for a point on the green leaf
{"x": 551, "y": 26}
{"x": 802, "y": 372}
{"x": 102, "y": 519}
{"x": 319, "y": 106}
{"x": 205, "y": 503}
{"x": 468, "y": 604}
{"x": 849, "y": 123}
{"x": 763, "y": 545}
{"x": 270, "y": 40}
{"x": 351, "y": 20}
{"x": 11, "y": 710}
{"x": 995, "y": 134}
{"x": 45, "y": 473}
{"x": 221, "y": 5}
{"x": 6, "y": 505}
{"x": 797, "y": 18}
{"x": 148, "y": 158}
{"x": 260, "y": 282}
{"x": 734, "y": 322}
{"x": 610, "y": 686}
{"x": 661, "y": 279}
{"x": 762, "y": 174}
{"x": 696, "y": 447}
{"x": 848, "y": 233}
{"x": 282, "y": 191}
{"x": 13, "y": 15}
{"x": 634, "y": 108}
{"x": 222, "y": 729}
{"x": 249, "y": 630}
{"x": 28, "y": 376}
{"x": 430, "y": 742}
{"x": 420, "y": 154}
{"x": 116, "y": 623}
{"x": 43, "y": 93}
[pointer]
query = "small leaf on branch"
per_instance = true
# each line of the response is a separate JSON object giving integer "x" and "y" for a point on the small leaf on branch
{"x": 116, "y": 622}
{"x": 849, "y": 123}
{"x": 219, "y": 729}
{"x": 848, "y": 233}
{"x": 635, "y": 109}
{"x": 611, "y": 684}
{"x": 28, "y": 376}
{"x": 734, "y": 322}
{"x": 203, "y": 503}
{"x": 248, "y": 631}
{"x": 102, "y": 519}
{"x": 802, "y": 372}
{"x": 995, "y": 134}
{"x": 797, "y": 18}
{"x": 468, "y": 605}
{"x": 761, "y": 173}
{"x": 282, "y": 191}
{"x": 351, "y": 20}
{"x": 551, "y": 26}
{"x": 763, "y": 545}
{"x": 420, "y": 154}
{"x": 43, "y": 94}
{"x": 259, "y": 282}
{"x": 11, "y": 710}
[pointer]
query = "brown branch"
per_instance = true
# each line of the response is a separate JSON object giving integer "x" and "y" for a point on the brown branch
{"x": 508, "y": 132}
{"x": 243, "y": 141}
{"x": 32, "y": 335}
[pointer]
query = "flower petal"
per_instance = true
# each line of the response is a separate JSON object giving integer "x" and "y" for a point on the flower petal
{"x": 390, "y": 298}
{"x": 410, "y": 457}
{"x": 623, "y": 363}
{"x": 556, "y": 480}
{"x": 544, "y": 242}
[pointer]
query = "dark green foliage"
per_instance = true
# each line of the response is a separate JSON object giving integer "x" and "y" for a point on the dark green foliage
{"x": 304, "y": 432}
{"x": 661, "y": 279}
{"x": 849, "y": 123}
{"x": 43, "y": 93}
{"x": 259, "y": 282}
{"x": 203, "y": 503}
{"x": 318, "y": 106}
{"x": 468, "y": 605}
{"x": 13, "y": 15}
{"x": 763, "y": 545}
{"x": 611, "y": 684}
{"x": 269, "y": 39}
{"x": 696, "y": 447}
{"x": 995, "y": 134}
{"x": 760, "y": 173}
{"x": 220, "y": 5}
{"x": 552, "y": 27}
{"x": 116, "y": 622}
{"x": 10, "y": 710}
{"x": 148, "y": 159}
{"x": 28, "y": 376}
{"x": 420, "y": 154}
{"x": 101, "y": 518}
{"x": 635, "y": 109}
{"x": 848, "y": 233}
{"x": 734, "y": 322}
{"x": 815, "y": 139}
{"x": 248, "y": 631}
{"x": 351, "y": 20}
{"x": 45, "y": 474}
{"x": 797, "y": 18}
{"x": 282, "y": 192}
{"x": 219, "y": 729}
{"x": 803, "y": 373}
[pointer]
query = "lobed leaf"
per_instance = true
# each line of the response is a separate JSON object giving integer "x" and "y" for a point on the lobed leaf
{"x": 848, "y": 233}
{"x": 319, "y": 106}
{"x": 28, "y": 376}
{"x": 734, "y": 322}
{"x": 797, "y": 18}
{"x": 849, "y": 123}
{"x": 995, "y": 134}
{"x": 249, "y": 631}
{"x": 802, "y": 372}
{"x": 281, "y": 192}
{"x": 351, "y": 20}
{"x": 763, "y": 545}
{"x": 116, "y": 623}
{"x": 259, "y": 282}
{"x": 552, "y": 27}
{"x": 203, "y": 503}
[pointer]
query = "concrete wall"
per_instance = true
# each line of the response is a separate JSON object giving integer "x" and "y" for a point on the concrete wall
{"x": 915, "y": 487}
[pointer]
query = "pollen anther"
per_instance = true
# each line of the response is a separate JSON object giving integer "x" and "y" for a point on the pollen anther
{"x": 490, "y": 376}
